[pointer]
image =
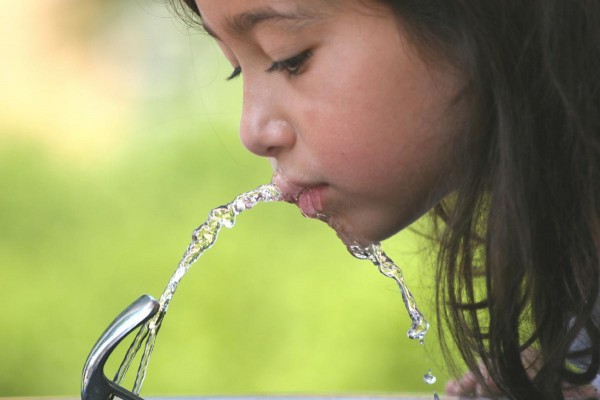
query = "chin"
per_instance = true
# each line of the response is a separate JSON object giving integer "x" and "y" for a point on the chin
{"x": 360, "y": 234}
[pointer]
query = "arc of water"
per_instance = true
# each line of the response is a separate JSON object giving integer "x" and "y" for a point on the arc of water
{"x": 203, "y": 238}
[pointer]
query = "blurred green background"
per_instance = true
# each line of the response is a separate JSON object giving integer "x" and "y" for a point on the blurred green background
{"x": 117, "y": 137}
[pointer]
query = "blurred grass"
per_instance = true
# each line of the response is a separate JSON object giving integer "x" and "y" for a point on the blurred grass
{"x": 277, "y": 306}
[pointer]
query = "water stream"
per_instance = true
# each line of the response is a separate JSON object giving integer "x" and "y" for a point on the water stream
{"x": 206, "y": 235}
{"x": 202, "y": 239}
{"x": 386, "y": 266}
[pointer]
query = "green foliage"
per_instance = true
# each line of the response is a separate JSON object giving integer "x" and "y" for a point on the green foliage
{"x": 278, "y": 305}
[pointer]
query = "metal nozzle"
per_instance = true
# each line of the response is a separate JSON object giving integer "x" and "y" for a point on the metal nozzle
{"x": 95, "y": 385}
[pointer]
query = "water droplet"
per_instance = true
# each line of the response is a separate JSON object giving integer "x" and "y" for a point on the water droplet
{"x": 358, "y": 252}
{"x": 428, "y": 378}
{"x": 221, "y": 215}
{"x": 422, "y": 342}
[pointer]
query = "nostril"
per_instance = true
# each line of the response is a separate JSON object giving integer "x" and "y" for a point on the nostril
{"x": 271, "y": 151}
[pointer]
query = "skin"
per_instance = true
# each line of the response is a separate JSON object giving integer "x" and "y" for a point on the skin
{"x": 361, "y": 134}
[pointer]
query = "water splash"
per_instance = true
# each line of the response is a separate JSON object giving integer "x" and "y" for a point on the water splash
{"x": 435, "y": 396}
{"x": 202, "y": 239}
{"x": 386, "y": 266}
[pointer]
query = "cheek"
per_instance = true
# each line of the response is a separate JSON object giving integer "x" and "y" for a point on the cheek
{"x": 358, "y": 125}
{"x": 361, "y": 93}
{"x": 373, "y": 113}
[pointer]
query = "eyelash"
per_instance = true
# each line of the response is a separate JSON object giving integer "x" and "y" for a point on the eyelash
{"x": 237, "y": 71}
{"x": 292, "y": 66}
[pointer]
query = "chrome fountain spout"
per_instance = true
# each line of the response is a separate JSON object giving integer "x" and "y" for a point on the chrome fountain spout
{"x": 94, "y": 384}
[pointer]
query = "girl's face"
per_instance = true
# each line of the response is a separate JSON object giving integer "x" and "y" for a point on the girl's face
{"x": 360, "y": 130}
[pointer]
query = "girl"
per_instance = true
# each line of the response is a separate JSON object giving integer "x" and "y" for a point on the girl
{"x": 486, "y": 112}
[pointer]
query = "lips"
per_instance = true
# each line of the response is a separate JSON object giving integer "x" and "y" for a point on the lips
{"x": 309, "y": 201}
{"x": 306, "y": 196}
{"x": 289, "y": 191}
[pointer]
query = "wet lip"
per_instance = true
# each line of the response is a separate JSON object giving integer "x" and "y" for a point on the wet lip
{"x": 289, "y": 191}
{"x": 308, "y": 197}
{"x": 309, "y": 201}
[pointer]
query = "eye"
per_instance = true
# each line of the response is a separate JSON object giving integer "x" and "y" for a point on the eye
{"x": 293, "y": 65}
{"x": 237, "y": 71}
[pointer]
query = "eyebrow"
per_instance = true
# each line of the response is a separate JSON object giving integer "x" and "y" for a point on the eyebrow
{"x": 247, "y": 21}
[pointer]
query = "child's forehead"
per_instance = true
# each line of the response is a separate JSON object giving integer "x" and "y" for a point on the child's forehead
{"x": 240, "y": 17}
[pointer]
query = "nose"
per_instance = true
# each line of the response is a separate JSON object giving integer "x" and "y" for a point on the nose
{"x": 265, "y": 128}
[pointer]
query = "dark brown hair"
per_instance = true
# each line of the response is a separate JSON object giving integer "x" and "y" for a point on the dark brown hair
{"x": 520, "y": 238}
{"x": 520, "y": 247}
